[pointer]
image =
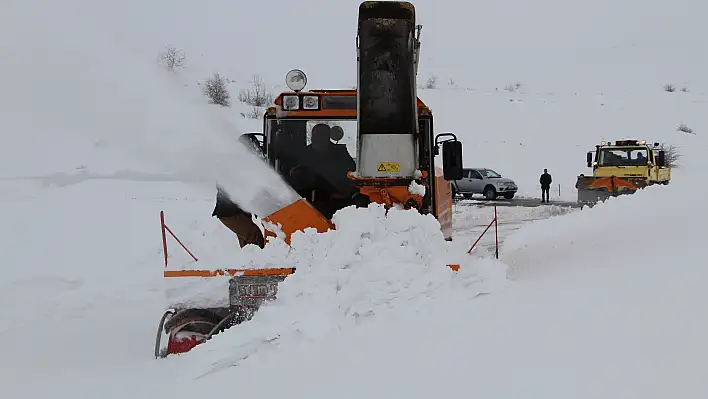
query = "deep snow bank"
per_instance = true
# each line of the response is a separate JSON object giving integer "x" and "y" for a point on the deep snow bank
{"x": 371, "y": 266}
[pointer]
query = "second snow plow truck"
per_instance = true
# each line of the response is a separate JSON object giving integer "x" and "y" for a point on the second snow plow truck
{"x": 387, "y": 156}
{"x": 622, "y": 168}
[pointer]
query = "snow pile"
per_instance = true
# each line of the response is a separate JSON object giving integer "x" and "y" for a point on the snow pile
{"x": 371, "y": 266}
{"x": 630, "y": 230}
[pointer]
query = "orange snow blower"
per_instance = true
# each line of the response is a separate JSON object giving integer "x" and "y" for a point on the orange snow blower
{"x": 339, "y": 148}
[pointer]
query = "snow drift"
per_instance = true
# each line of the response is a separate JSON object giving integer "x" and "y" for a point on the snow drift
{"x": 371, "y": 266}
{"x": 398, "y": 254}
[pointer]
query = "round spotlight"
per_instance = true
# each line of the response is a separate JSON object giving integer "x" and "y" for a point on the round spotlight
{"x": 296, "y": 80}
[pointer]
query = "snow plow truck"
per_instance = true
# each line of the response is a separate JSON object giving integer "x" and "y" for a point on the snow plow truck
{"x": 621, "y": 168}
{"x": 386, "y": 153}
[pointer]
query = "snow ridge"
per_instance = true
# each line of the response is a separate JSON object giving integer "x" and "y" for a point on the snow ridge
{"x": 374, "y": 264}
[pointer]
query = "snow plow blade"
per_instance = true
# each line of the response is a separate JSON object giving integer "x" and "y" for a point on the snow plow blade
{"x": 592, "y": 190}
{"x": 295, "y": 217}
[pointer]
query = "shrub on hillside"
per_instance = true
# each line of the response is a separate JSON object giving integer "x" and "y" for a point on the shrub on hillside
{"x": 172, "y": 58}
{"x": 432, "y": 82}
{"x": 683, "y": 128}
{"x": 217, "y": 90}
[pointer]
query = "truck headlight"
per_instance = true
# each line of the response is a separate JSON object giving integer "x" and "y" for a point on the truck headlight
{"x": 291, "y": 103}
{"x": 311, "y": 102}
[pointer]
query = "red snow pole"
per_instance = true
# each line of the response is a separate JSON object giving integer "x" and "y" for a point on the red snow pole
{"x": 496, "y": 229}
{"x": 164, "y": 238}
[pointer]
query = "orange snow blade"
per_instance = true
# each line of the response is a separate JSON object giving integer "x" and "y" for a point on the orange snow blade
{"x": 231, "y": 272}
{"x": 296, "y": 217}
{"x": 608, "y": 181}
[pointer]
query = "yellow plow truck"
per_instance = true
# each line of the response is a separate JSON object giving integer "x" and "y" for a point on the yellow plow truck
{"x": 622, "y": 168}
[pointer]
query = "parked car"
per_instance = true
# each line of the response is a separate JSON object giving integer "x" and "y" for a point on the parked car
{"x": 484, "y": 181}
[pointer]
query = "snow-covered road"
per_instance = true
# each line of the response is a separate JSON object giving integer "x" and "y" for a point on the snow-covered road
{"x": 471, "y": 218}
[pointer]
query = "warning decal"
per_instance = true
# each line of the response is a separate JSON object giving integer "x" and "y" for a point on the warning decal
{"x": 389, "y": 167}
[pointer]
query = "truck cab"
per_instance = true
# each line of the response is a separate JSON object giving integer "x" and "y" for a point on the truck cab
{"x": 288, "y": 138}
{"x": 630, "y": 158}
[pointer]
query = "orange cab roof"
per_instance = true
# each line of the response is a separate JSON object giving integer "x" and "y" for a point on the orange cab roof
{"x": 331, "y": 103}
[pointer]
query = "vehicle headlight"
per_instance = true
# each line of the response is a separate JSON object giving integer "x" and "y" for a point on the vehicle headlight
{"x": 291, "y": 103}
{"x": 296, "y": 80}
{"x": 311, "y": 103}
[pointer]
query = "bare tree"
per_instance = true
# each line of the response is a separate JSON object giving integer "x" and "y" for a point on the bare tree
{"x": 217, "y": 90}
{"x": 672, "y": 154}
{"x": 172, "y": 58}
{"x": 670, "y": 88}
{"x": 256, "y": 94}
{"x": 254, "y": 113}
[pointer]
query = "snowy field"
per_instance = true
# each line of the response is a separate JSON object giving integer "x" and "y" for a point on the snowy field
{"x": 98, "y": 139}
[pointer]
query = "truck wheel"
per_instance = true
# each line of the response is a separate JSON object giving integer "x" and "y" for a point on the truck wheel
{"x": 509, "y": 195}
{"x": 490, "y": 193}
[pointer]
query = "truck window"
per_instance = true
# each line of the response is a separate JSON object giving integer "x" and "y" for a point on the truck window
{"x": 348, "y": 127}
{"x": 623, "y": 156}
{"x": 313, "y": 163}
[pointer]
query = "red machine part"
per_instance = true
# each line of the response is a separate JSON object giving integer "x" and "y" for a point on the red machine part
{"x": 183, "y": 344}
{"x": 189, "y": 332}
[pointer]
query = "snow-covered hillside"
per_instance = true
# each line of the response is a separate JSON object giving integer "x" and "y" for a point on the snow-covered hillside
{"x": 98, "y": 138}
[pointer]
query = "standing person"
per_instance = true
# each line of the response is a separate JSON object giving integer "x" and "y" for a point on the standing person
{"x": 545, "y": 181}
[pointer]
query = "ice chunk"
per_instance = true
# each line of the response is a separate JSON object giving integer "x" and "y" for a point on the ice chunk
{"x": 416, "y": 189}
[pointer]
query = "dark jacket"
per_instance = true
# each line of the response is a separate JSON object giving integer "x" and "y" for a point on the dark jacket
{"x": 545, "y": 180}
{"x": 225, "y": 207}
{"x": 326, "y": 173}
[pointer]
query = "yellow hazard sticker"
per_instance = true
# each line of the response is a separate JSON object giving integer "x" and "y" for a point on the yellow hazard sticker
{"x": 389, "y": 167}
